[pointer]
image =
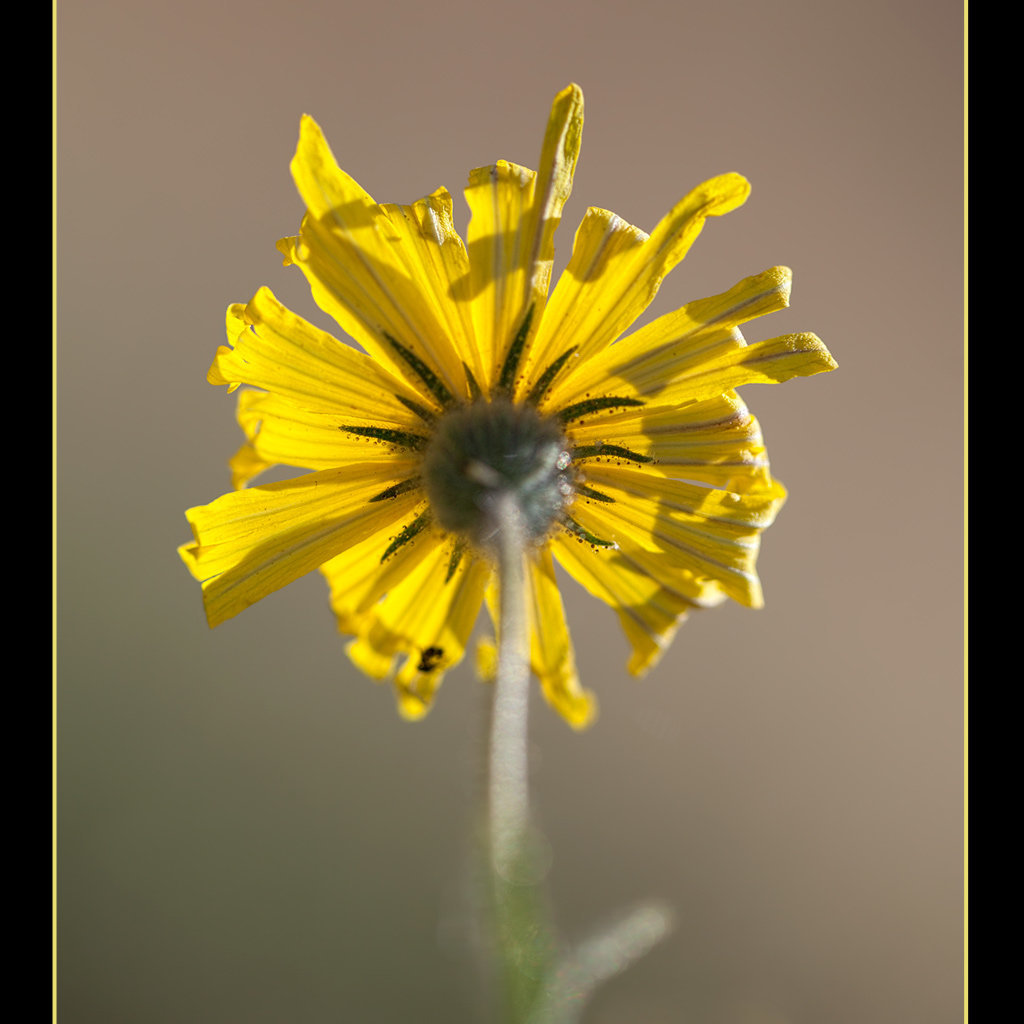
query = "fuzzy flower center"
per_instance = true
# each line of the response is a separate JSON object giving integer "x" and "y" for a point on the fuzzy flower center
{"x": 488, "y": 448}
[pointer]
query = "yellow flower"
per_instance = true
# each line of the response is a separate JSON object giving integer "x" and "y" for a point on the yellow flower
{"x": 639, "y": 469}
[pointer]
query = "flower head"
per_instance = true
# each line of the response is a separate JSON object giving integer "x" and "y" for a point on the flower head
{"x": 636, "y": 465}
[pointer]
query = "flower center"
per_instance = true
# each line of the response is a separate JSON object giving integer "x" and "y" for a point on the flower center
{"x": 485, "y": 449}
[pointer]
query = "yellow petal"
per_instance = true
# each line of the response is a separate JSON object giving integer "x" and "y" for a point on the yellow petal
{"x": 283, "y": 433}
{"x": 252, "y": 542}
{"x": 582, "y": 297}
{"x": 499, "y": 199}
{"x": 649, "y": 613}
{"x": 712, "y": 534}
{"x": 361, "y": 575}
{"x": 687, "y": 377}
{"x": 246, "y": 464}
{"x": 716, "y": 442}
{"x": 558, "y": 157}
{"x": 514, "y": 214}
{"x": 552, "y": 659}
{"x": 486, "y": 660}
{"x": 427, "y": 617}
{"x": 436, "y": 255}
{"x": 369, "y": 660}
{"x": 363, "y": 271}
{"x": 698, "y": 332}
{"x": 615, "y": 278}
{"x": 276, "y": 350}
{"x": 551, "y": 653}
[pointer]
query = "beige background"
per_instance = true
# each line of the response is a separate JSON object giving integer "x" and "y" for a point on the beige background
{"x": 248, "y": 831}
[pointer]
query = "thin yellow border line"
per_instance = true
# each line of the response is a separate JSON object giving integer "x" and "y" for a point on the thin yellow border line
{"x": 53, "y": 498}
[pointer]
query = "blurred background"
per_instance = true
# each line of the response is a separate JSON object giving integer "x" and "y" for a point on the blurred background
{"x": 247, "y": 830}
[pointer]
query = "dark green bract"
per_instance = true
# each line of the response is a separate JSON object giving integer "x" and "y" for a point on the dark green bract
{"x": 480, "y": 450}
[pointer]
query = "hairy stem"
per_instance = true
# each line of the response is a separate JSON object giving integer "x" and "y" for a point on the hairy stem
{"x": 524, "y": 938}
{"x": 509, "y": 782}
